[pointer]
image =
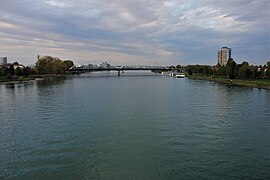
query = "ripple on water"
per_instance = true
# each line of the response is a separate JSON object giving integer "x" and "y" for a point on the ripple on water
{"x": 133, "y": 128}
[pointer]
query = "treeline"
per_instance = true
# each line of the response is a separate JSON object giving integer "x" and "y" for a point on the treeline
{"x": 232, "y": 70}
{"x": 44, "y": 65}
{"x": 52, "y": 65}
{"x": 9, "y": 71}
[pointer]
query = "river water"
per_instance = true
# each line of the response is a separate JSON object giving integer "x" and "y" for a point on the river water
{"x": 136, "y": 126}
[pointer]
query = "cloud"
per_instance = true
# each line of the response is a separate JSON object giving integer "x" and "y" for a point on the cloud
{"x": 167, "y": 31}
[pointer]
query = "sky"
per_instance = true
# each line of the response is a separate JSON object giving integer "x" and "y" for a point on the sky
{"x": 135, "y": 32}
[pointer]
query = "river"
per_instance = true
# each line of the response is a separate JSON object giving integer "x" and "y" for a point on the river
{"x": 136, "y": 126}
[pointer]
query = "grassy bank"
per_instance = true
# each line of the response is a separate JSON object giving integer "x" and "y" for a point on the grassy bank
{"x": 258, "y": 83}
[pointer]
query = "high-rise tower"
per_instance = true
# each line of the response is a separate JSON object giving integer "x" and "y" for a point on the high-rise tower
{"x": 224, "y": 54}
{"x": 3, "y": 60}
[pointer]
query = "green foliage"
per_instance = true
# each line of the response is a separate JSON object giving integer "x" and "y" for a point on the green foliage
{"x": 236, "y": 70}
{"x": 221, "y": 71}
{"x": 245, "y": 63}
{"x": 199, "y": 69}
{"x": 267, "y": 73}
{"x": 44, "y": 65}
{"x": 26, "y": 71}
{"x": 258, "y": 73}
{"x": 52, "y": 65}
{"x": 178, "y": 67}
{"x": 3, "y": 71}
{"x": 230, "y": 68}
{"x": 11, "y": 70}
{"x": 246, "y": 71}
{"x": 242, "y": 72}
{"x": 68, "y": 63}
{"x": 18, "y": 71}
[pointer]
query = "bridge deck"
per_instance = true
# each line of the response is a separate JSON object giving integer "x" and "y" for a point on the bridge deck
{"x": 122, "y": 69}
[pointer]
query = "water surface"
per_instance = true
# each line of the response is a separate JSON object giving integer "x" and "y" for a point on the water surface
{"x": 136, "y": 126}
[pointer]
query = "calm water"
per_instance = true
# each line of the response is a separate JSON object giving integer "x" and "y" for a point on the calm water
{"x": 138, "y": 126}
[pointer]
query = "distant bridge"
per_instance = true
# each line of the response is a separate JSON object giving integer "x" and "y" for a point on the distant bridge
{"x": 119, "y": 68}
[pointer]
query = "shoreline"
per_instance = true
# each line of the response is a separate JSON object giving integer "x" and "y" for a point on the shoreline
{"x": 254, "y": 83}
{"x": 31, "y": 78}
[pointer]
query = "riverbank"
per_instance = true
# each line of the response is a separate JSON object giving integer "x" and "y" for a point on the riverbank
{"x": 4, "y": 80}
{"x": 257, "y": 83}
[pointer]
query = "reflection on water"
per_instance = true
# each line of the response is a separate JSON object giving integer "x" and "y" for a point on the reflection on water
{"x": 50, "y": 81}
{"x": 136, "y": 126}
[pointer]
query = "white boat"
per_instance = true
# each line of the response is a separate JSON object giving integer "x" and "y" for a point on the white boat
{"x": 181, "y": 75}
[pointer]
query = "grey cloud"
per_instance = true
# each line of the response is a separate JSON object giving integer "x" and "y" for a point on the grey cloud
{"x": 175, "y": 30}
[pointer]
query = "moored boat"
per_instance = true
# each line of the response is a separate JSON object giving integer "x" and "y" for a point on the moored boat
{"x": 181, "y": 75}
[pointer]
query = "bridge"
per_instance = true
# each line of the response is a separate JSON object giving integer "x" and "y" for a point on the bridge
{"x": 119, "y": 68}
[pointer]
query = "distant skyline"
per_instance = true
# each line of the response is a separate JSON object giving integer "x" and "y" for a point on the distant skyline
{"x": 135, "y": 32}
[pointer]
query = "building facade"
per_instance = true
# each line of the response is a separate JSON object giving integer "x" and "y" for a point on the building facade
{"x": 3, "y": 60}
{"x": 104, "y": 64}
{"x": 224, "y": 54}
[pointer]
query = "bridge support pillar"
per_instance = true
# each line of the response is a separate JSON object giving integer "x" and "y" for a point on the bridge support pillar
{"x": 118, "y": 72}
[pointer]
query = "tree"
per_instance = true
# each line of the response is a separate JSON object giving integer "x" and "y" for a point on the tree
{"x": 207, "y": 70}
{"x": 230, "y": 68}
{"x": 245, "y": 71}
{"x": 267, "y": 73}
{"x": 221, "y": 71}
{"x": 178, "y": 68}
{"x": 3, "y": 71}
{"x": 18, "y": 71}
{"x": 45, "y": 65}
{"x": 59, "y": 67}
{"x": 68, "y": 64}
{"x": 258, "y": 72}
{"x": 52, "y": 65}
{"x": 236, "y": 70}
{"x": 11, "y": 70}
{"x": 199, "y": 69}
{"x": 25, "y": 71}
{"x": 245, "y": 63}
{"x": 41, "y": 66}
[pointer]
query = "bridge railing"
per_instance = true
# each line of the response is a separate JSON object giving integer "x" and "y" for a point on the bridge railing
{"x": 119, "y": 68}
